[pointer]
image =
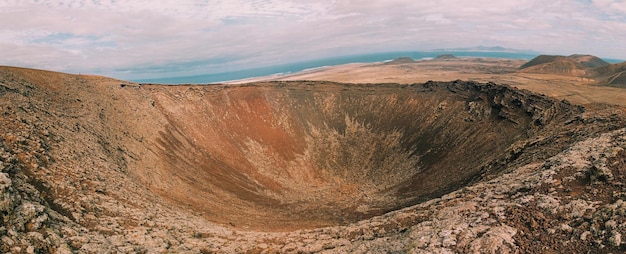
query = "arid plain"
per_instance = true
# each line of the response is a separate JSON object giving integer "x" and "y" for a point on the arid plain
{"x": 579, "y": 89}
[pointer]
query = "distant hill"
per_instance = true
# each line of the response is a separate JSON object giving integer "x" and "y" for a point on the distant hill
{"x": 576, "y": 65}
{"x": 446, "y": 57}
{"x": 541, "y": 59}
{"x": 611, "y": 75}
{"x": 401, "y": 60}
{"x": 589, "y": 61}
{"x": 546, "y": 64}
{"x": 487, "y": 49}
{"x": 579, "y": 65}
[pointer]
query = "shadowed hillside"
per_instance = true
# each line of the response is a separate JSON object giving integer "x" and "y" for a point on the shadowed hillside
{"x": 612, "y": 75}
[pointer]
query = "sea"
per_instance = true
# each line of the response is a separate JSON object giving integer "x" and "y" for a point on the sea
{"x": 284, "y": 69}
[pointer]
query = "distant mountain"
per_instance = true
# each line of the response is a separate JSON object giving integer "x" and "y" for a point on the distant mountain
{"x": 488, "y": 49}
{"x": 579, "y": 65}
{"x": 576, "y": 65}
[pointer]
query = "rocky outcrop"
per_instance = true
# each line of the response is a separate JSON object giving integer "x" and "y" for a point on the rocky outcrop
{"x": 91, "y": 164}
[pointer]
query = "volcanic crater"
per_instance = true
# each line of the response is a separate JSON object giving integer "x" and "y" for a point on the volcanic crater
{"x": 87, "y": 160}
{"x": 293, "y": 155}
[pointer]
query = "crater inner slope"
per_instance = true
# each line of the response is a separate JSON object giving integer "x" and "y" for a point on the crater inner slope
{"x": 291, "y": 155}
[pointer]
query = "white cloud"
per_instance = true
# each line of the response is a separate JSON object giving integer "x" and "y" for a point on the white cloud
{"x": 205, "y": 36}
{"x": 611, "y": 7}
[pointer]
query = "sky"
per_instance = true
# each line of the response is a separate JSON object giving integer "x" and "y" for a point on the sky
{"x": 135, "y": 39}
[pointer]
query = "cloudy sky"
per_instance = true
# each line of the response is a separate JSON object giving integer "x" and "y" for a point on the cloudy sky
{"x": 133, "y": 39}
